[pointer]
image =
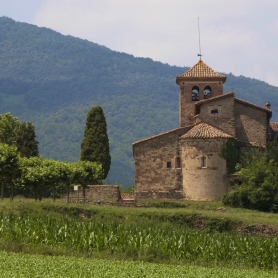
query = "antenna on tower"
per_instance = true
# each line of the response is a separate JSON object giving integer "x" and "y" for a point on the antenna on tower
{"x": 200, "y": 51}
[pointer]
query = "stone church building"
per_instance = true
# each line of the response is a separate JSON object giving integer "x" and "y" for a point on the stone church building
{"x": 185, "y": 163}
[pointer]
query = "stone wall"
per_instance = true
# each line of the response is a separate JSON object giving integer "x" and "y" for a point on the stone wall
{"x": 220, "y": 113}
{"x": 204, "y": 171}
{"x": 251, "y": 123}
{"x": 187, "y": 106}
{"x": 98, "y": 194}
{"x": 157, "y": 171}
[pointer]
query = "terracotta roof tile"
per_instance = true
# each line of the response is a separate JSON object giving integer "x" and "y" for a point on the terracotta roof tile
{"x": 203, "y": 130}
{"x": 273, "y": 130}
{"x": 201, "y": 70}
{"x": 274, "y": 127}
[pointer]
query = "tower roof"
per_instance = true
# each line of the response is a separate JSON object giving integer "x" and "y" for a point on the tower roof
{"x": 201, "y": 70}
{"x": 204, "y": 130}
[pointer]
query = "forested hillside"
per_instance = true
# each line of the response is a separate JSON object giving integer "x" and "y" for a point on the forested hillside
{"x": 53, "y": 81}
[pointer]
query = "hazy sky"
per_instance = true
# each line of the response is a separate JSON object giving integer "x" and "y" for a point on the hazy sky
{"x": 237, "y": 36}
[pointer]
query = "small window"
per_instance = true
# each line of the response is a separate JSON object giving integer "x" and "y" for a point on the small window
{"x": 214, "y": 111}
{"x": 203, "y": 162}
{"x": 195, "y": 93}
{"x": 207, "y": 92}
{"x": 177, "y": 162}
{"x": 168, "y": 165}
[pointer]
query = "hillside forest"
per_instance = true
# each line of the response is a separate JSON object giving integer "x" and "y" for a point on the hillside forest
{"x": 52, "y": 81}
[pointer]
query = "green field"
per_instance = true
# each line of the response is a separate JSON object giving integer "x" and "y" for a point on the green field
{"x": 157, "y": 238}
{"x": 21, "y": 265}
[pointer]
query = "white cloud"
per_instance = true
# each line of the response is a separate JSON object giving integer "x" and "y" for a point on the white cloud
{"x": 236, "y": 36}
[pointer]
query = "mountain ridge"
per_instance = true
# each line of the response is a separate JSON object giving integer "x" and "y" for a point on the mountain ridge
{"x": 53, "y": 80}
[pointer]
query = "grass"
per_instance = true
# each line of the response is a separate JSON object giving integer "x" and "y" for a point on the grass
{"x": 147, "y": 208}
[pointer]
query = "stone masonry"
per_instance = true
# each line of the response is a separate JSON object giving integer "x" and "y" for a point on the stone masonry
{"x": 186, "y": 163}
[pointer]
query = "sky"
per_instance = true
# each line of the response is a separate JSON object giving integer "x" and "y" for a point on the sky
{"x": 236, "y": 36}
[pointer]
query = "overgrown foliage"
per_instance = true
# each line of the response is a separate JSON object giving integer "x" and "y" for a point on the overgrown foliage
{"x": 257, "y": 187}
{"x": 95, "y": 144}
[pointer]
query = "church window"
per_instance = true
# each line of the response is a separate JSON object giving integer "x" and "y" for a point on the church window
{"x": 203, "y": 162}
{"x": 168, "y": 164}
{"x": 207, "y": 92}
{"x": 195, "y": 93}
{"x": 177, "y": 162}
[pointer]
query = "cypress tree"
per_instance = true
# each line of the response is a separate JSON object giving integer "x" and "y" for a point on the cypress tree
{"x": 25, "y": 140}
{"x": 95, "y": 144}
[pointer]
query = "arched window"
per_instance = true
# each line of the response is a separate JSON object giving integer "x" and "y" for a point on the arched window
{"x": 195, "y": 93}
{"x": 207, "y": 92}
{"x": 177, "y": 162}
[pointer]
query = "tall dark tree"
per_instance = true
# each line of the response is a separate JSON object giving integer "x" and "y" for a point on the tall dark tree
{"x": 26, "y": 140}
{"x": 95, "y": 144}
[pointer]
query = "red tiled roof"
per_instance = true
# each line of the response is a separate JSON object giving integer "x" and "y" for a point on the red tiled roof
{"x": 273, "y": 131}
{"x": 201, "y": 70}
{"x": 274, "y": 127}
{"x": 204, "y": 130}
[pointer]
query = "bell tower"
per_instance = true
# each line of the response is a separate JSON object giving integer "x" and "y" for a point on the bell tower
{"x": 197, "y": 84}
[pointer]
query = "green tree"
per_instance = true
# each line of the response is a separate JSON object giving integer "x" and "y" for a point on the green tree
{"x": 8, "y": 129}
{"x": 259, "y": 187}
{"x": 95, "y": 144}
{"x": 230, "y": 152}
{"x": 9, "y": 167}
{"x": 25, "y": 140}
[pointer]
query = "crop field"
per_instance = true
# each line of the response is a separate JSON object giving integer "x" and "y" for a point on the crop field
{"x": 153, "y": 243}
{"x": 106, "y": 241}
{"x": 22, "y": 265}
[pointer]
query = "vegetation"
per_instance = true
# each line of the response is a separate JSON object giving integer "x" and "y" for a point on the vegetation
{"x": 257, "y": 187}
{"x": 26, "y": 143}
{"x": 53, "y": 80}
{"x": 230, "y": 152}
{"x": 22, "y": 135}
{"x": 185, "y": 235}
{"x": 18, "y": 265}
{"x": 95, "y": 144}
{"x": 39, "y": 177}
{"x": 166, "y": 243}
{"x": 8, "y": 129}
{"x": 9, "y": 167}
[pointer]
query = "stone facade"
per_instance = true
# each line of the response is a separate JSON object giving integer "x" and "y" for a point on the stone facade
{"x": 218, "y": 112}
{"x": 187, "y": 107}
{"x": 157, "y": 172}
{"x": 252, "y": 123}
{"x": 201, "y": 182}
{"x": 186, "y": 162}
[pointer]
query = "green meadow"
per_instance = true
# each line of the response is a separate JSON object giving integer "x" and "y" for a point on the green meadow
{"x": 154, "y": 239}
